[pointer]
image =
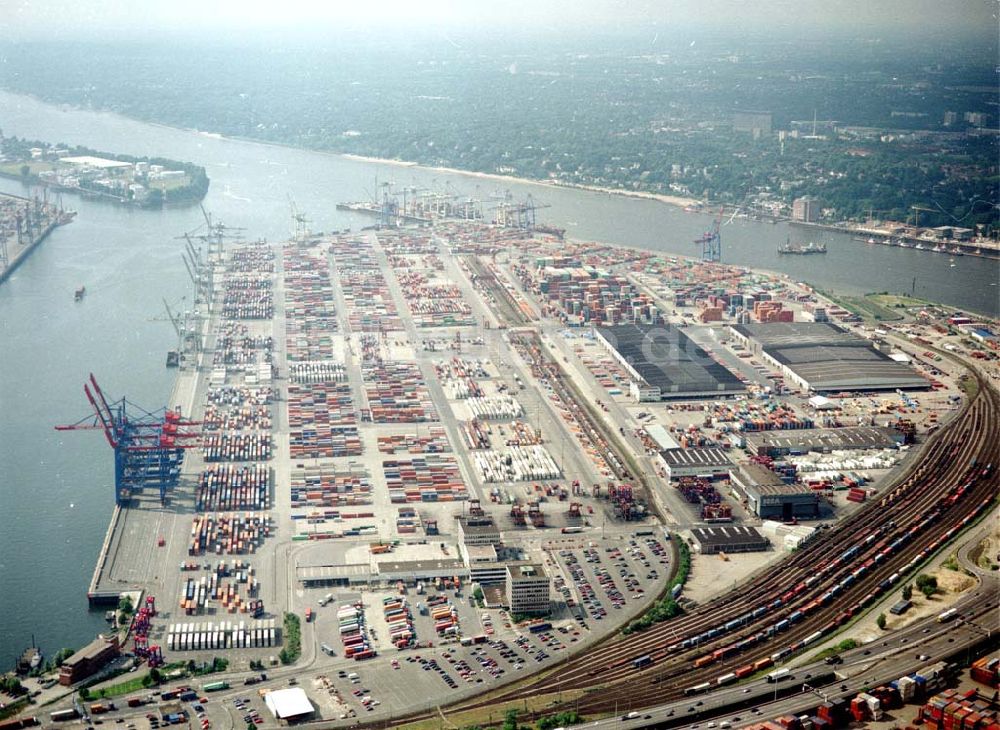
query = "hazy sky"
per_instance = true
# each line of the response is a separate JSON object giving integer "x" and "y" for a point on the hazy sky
{"x": 34, "y": 18}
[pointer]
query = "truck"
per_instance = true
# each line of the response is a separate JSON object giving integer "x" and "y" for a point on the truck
{"x": 947, "y": 615}
{"x": 215, "y": 686}
{"x": 64, "y": 715}
{"x": 777, "y": 675}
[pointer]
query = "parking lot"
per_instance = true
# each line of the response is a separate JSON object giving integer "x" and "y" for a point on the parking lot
{"x": 599, "y": 578}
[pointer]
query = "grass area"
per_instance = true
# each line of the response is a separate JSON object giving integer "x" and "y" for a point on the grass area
{"x": 123, "y": 688}
{"x": 867, "y": 307}
{"x": 293, "y": 639}
{"x": 845, "y": 645}
{"x": 898, "y": 301}
{"x": 12, "y": 708}
{"x": 494, "y": 715}
{"x": 36, "y": 166}
{"x": 969, "y": 386}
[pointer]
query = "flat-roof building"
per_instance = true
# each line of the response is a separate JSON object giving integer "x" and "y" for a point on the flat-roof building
{"x": 770, "y": 498}
{"x": 289, "y": 704}
{"x": 665, "y": 364}
{"x": 824, "y": 440}
{"x": 729, "y": 539}
{"x": 527, "y": 589}
{"x": 476, "y": 531}
{"x": 822, "y": 357}
{"x": 707, "y": 462}
{"x": 384, "y": 572}
{"x": 484, "y": 565}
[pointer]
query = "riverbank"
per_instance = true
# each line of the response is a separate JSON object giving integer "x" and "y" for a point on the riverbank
{"x": 674, "y": 200}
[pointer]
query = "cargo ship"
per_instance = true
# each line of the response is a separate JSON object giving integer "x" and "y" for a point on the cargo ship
{"x": 797, "y": 248}
{"x": 550, "y": 230}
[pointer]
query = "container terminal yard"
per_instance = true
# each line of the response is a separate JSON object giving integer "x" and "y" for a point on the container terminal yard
{"x": 24, "y": 223}
{"x": 428, "y": 474}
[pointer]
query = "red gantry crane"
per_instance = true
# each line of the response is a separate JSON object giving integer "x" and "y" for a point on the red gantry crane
{"x": 149, "y": 447}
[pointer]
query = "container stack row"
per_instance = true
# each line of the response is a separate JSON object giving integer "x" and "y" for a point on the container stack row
{"x": 329, "y": 485}
{"x": 228, "y": 534}
{"x": 432, "y": 478}
{"x": 223, "y": 635}
{"x": 370, "y": 307}
{"x": 516, "y": 464}
{"x": 434, "y": 441}
{"x": 310, "y": 315}
{"x": 396, "y": 393}
{"x": 322, "y": 420}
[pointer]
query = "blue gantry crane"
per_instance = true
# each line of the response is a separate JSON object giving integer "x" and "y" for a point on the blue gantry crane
{"x": 149, "y": 447}
{"x": 711, "y": 241}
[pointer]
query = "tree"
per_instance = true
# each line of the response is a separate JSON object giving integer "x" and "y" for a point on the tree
{"x": 510, "y": 720}
{"x": 927, "y": 584}
{"x": 156, "y": 675}
{"x": 881, "y": 621}
{"x": 125, "y": 605}
{"x": 907, "y": 592}
{"x": 25, "y": 170}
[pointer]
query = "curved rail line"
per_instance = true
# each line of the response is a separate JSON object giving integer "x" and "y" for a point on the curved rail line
{"x": 804, "y": 597}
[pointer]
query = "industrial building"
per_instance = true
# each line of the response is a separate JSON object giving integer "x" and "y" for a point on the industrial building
{"x": 822, "y": 357}
{"x": 784, "y": 443}
{"x": 729, "y": 539}
{"x": 484, "y": 564}
{"x": 805, "y": 209}
{"x": 478, "y": 530}
{"x": 664, "y": 363}
{"x": 706, "y": 462}
{"x": 384, "y": 572}
{"x": 89, "y": 660}
{"x": 770, "y": 498}
{"x": 289, "y": 704}
{"x": 527, "y": 589}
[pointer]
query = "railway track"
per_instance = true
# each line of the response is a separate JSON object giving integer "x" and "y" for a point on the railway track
{"x": 815, "y": 591}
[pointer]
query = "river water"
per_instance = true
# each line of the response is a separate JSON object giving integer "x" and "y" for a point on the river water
{"x": 55, "y": 487}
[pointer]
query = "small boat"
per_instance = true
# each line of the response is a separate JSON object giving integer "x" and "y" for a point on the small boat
{"x": 173, "y": 358}
{"x": 78, "y": 295}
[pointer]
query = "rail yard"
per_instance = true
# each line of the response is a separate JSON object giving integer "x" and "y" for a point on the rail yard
{"x": 411, "y": 473}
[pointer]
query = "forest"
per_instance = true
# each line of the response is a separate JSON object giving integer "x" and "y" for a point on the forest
{"x": 868, "y": 126}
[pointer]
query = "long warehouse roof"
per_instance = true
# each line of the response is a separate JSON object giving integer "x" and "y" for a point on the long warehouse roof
{"x": 830, "y": 358}
{"x": 666, "y": 358}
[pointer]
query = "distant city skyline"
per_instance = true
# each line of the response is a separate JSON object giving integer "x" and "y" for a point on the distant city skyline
{"x": 38, "y": 19}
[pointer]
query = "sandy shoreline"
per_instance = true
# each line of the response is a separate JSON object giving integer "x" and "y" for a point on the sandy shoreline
{"x": 668, "y": 199}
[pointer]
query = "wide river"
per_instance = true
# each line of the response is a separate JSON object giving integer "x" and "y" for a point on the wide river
{"x": 55, "y": 487}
